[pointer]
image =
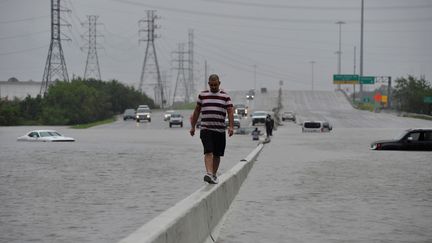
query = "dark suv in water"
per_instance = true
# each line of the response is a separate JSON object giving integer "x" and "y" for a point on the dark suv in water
{"x": 411, "y": 139}
{"x": 129, "y": 114}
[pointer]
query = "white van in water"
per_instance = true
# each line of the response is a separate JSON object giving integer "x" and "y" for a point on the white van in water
{"x": 316, "y": 126}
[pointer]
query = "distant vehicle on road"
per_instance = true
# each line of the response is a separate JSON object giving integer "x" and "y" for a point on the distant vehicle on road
{"x": 45, "y": 136}
{"x": 129, "y": 114}
{"x": 167, "y": 114}
{"x": 236, "y": 121}
{"x": 259, "y": 117}
{"x": 143, "y": 114}
{"x": 419, "y": 139}
{"x": 250, "y": 94}
{"x": 176, "y": 119}
{"x": 241, "y": 110}
{"x": 288, "y": 116}
{"x": 316, "y": 126}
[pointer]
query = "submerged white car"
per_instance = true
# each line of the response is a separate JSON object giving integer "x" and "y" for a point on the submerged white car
{"x": 44, "y": 136}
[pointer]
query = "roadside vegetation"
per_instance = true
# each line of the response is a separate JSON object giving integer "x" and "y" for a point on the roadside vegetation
{"x": 71, "y": 103}
{"x": 408, "y": 96}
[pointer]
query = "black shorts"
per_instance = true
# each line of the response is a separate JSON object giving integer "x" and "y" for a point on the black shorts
{"x": 213, "y": 142}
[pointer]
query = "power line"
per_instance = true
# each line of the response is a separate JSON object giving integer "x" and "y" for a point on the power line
{"x": 268, "y": 19}
{"x": 24, "y": 19}
{"x": 304, "y": 7}
{"x": 24, "y": 35}
{"x": 24, "y": 50}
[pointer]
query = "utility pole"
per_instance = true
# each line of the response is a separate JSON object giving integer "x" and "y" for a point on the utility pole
{"x": 55, "y": 67}
{"x": 151, "y": 54}
{"x": 361, "y": 46}
{"x": 354, "y": 72}
{"x": 181, "y": 83}
{"x": 92, "y": 69}
{"x": 312, "y": 64}
{"x": 339, "y": 52}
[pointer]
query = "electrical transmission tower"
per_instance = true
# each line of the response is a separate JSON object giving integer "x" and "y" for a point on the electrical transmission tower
{"x": 55, "y": 67}
{"x": 191, "y": 85}
{"x": 150, "y": 55}
{"x": 92, "y": 69}
{"x": 182, "y": 87}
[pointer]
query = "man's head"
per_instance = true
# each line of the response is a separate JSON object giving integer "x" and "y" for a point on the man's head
{"x": 214, "y": 83}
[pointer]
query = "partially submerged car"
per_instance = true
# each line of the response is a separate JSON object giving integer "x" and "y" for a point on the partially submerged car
{"x": 143, "y": 114}
{"x": 259, "y": 117}
{"x": 316, "y": 126}
{"x": 176, "y": 119}
{"x": 419, "y": 139}
{"x": 236, "y": 121}
{"x": 288, "y": 116}
{"x": 250, "y": 94}
{"x": 129, "y": 114}
{"x": 45, "y": 136}
{"x": 167, "y": 114}
{"x": 240, "y": 109}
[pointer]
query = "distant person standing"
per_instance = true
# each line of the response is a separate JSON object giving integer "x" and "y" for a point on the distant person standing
{"x": 268, "y": 125}
{"x": 213, "y": 105}
{"x": 271, "y": 125}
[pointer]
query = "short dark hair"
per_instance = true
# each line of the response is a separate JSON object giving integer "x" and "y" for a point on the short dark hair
{"x": 214, "y": 77}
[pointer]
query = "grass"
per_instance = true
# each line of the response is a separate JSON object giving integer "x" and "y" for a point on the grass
{"x": 92, "y": 124}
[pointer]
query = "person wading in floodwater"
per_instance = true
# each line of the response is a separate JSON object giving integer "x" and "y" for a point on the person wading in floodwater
{"x": 213, "y": 105}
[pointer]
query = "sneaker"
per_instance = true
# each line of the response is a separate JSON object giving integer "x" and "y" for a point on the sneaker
{"x": 210, "y": 179}
{"x": 215, "y": 179}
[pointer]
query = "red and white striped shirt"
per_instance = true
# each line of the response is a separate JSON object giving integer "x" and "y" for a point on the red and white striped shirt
{"x": 213, "y": 109}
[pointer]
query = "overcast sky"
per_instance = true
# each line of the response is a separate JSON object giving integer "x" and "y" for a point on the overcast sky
{"x": 280, "y": 37}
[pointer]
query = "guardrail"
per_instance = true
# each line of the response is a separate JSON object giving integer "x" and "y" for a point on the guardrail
{"x": 198, "y": 217}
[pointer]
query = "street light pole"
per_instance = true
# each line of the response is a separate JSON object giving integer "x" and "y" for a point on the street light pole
{"x": 339, "y": 52}
{"x": 255, "y": 67}
{"x": 361, "y": 47}
{"x": 312, "y": 64}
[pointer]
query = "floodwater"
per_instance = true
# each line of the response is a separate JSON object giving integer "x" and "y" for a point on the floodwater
{"x": 329, "y": 187}
{"x": 102, "y": 187}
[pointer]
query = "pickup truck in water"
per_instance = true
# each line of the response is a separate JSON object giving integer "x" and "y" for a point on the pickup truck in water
{"x": 240, "y": 110}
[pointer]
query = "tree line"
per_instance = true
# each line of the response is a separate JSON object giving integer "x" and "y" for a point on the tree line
{"x": 70, "y": 103}
{"x": 409, "y": 94}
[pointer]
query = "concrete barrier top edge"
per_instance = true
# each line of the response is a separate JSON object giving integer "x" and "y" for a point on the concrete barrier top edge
{"x": 158, "y": 225}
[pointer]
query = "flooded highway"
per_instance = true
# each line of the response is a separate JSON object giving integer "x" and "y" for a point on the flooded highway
{"x": 102, "y": 187}
{"x": 118, "y": 176}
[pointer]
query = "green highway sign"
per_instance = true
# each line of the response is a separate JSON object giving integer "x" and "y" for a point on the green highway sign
{"x": 367, "y": 80}
{"x": 427, "y": 99}
{"x": 345, "y": 78}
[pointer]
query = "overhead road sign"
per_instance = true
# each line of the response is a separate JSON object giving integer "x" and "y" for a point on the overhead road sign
{"x": 427, "y": 99}
{"x": 367, "y": 79}
{"x": 345, "y": 79}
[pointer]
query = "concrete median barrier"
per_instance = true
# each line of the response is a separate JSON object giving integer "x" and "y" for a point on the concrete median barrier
{"x": 198, "y": 217}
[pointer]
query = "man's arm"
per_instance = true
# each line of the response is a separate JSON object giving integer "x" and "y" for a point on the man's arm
{"x": 194, "y": 119}
{"x": 230, "y": 111}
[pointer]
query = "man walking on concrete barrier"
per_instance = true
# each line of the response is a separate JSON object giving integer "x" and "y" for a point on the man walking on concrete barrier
{"x": 213, "y": 105}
